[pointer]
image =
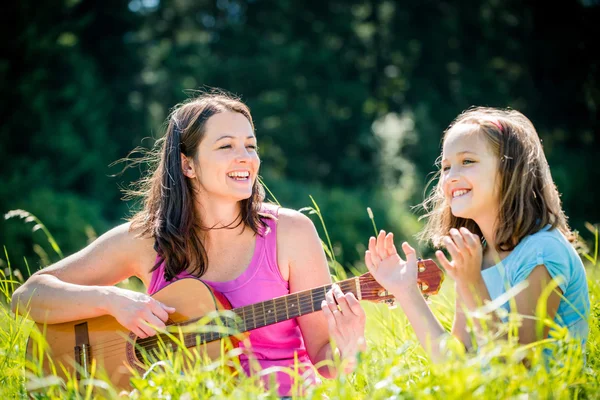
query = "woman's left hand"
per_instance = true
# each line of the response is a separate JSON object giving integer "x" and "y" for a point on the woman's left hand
{"x": 467, "y": 255}
{"x": 346, "y": 324}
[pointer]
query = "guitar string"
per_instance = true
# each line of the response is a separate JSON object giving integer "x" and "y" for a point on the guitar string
{"x": 152, "y": 342}
{"x": 268, "y": 319}
{"x": 246, "y": 324}
{"x": 307, "y": 296}
{"x": 251, "y": 322}
{"x": 302, "y": 296}
{"x": 305, "y": 307}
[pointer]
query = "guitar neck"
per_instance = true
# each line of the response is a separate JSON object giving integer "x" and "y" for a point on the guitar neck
{"x": 272, "y": 311}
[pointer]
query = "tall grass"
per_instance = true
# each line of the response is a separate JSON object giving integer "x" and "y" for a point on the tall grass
{"x": 394, "y": 365}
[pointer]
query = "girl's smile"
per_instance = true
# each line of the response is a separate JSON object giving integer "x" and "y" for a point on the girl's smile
{"x": 469, "y": 174}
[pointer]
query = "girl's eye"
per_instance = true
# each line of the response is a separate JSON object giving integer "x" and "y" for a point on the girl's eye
{"x": 226, "y": 146}
{"x": 445, "y": 168}
{"x": 467, "y": 161}
{"x": 252, "y": 146}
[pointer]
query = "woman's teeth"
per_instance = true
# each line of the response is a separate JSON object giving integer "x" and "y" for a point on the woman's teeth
{"x": 459, "y": 193}
{"x": 239, "y": 175}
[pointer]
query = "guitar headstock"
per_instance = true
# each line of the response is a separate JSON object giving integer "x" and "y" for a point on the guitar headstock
{"x": 429, "y": 280}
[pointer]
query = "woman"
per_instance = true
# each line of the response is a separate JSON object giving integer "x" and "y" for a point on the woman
{"x": 204, "y": 216}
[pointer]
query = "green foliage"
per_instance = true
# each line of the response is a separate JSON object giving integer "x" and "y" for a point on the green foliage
{"x": 349, "y": 98}
{"x": 394, "y": 365}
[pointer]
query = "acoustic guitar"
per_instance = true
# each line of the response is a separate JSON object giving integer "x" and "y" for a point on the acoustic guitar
{"x": 72, "y": 346}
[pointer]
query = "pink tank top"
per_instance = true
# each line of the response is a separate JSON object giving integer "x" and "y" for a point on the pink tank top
{"x": 273, "y": 345}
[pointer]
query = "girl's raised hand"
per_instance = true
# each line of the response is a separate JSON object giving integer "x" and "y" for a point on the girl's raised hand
{"x": 467, "y": 254}
{"x": 386, "y": 266}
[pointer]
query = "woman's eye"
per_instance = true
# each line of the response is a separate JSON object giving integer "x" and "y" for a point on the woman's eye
{"x": 226, "y": 146}
{"x": 252, "y": 146}
{"x": 467, "y": 161}
{"x": 445, "y": 168}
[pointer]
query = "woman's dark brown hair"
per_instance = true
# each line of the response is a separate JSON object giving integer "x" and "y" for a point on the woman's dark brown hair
{"x": 529, "y": 199}
{"x": 168, "y": 213}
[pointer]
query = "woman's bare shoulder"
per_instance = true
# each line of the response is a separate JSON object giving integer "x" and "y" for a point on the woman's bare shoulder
{"x": 293, "y": 220}
{"x": 137, "y": 246}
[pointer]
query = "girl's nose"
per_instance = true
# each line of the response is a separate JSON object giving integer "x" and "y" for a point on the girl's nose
{"x": 452, "y": 175}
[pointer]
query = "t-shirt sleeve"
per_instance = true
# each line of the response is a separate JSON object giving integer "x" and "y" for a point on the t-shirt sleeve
{"x": 547, "y": 251}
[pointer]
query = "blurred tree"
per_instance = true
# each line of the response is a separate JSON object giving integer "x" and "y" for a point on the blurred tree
{"x": 68, "y": 73}
{"x": 350, "y": 98}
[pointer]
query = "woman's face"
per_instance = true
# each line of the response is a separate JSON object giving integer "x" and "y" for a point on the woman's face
{"x": 227, "y": 163}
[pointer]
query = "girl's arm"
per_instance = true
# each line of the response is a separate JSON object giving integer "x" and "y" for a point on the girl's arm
{"x": 400, "y": 278}
{"x": 301, "y": 255}
{"x": 80, "y": 286}
{"x": 527, "y": 303}
{"x": 465, "y": 268}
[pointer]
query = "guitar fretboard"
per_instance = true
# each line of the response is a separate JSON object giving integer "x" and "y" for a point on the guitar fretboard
{"x": 256, "y": 315}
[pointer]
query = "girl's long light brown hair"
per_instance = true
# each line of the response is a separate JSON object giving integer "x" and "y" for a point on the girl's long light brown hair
{"x": 168, "y": 214}
{"x": 529, "y": 199}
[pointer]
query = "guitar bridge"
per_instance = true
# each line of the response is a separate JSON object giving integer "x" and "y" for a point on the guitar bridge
{"x": 83, "y": 351}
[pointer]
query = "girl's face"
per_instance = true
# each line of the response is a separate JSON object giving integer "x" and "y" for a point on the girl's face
{"x": 469, "y": 175}
{"x": 227, "y": 161}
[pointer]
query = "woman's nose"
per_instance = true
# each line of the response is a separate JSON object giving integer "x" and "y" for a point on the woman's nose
{"x": 243, "y": 155}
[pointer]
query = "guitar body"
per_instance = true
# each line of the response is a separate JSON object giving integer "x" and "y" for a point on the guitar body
{"x": 110, "y": 344}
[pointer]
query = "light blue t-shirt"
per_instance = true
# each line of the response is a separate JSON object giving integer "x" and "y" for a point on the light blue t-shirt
{"x": 551, "y": 249}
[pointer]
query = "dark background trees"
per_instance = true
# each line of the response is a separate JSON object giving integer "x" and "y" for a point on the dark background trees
{"x": 349, "y": 97}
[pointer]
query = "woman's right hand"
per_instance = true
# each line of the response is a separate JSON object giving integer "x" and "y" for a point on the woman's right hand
{"x": 386, "y": 266}
{"x": 137, "y": 311}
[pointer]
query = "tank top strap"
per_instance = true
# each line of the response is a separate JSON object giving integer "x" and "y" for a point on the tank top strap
{"x": 158, "y": 276}
{"x": 270, "y": 237}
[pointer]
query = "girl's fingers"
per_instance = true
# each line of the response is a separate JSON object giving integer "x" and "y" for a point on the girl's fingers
{"x": 369, "y": 263}
{"x": 390, "y": 247}
{"x": 444, "y": 261}
{"x": 381, "y": 245}
{"x": 472, "y": 241}
{"x": 375, "y": 257}
{"x": 459, "y": 241}
{"x": 452, "y": 249}
{"x": 411, "y": 255}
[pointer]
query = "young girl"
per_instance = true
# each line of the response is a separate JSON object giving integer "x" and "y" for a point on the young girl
{"x": 497, "y": 212}
{"x": 204, "y": 217}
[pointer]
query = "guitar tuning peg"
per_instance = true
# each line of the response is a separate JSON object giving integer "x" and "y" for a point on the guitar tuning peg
{"x": 391, "y": 303}
{"x": 421, "y": 264}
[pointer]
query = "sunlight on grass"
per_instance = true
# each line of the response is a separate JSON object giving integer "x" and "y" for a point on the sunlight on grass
{"x": 394, "y": 365}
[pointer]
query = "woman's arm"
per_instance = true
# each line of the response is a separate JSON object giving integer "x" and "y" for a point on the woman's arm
{"x": 80, "y": 286}
{"x": 299, "y": 248}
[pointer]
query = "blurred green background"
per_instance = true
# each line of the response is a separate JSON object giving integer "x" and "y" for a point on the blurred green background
{"x": 350, "y": 99}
